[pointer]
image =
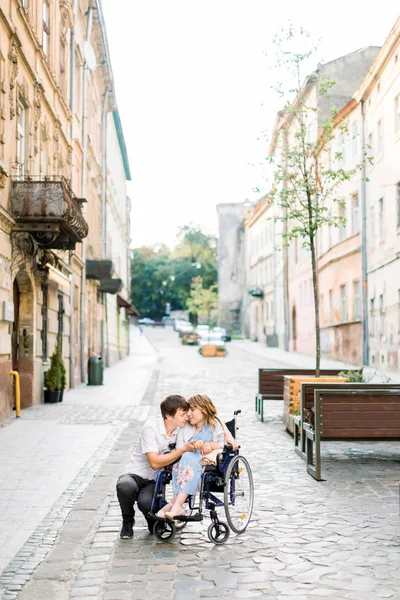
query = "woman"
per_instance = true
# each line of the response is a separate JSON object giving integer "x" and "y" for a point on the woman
{"x": 205, "y": 429}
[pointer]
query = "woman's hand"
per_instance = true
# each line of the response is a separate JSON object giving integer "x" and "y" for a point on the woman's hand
{"x": 198, "y": 444}
{"x": 207, "y": 448}
{"x": 229, "y": 439}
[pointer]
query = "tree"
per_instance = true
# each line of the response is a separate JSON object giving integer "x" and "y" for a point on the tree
{"x": 202, "y": 301}
{"x": 305, "y": 182}
{"x": 160, "y": 276}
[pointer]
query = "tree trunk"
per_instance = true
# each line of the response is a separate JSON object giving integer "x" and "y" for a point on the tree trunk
{"x": 316, "y": 306}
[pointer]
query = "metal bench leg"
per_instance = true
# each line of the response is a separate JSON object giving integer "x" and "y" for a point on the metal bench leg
{"x": 262, "y": 409}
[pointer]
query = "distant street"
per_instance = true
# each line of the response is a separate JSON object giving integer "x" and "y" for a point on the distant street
{"x": 335, "y": 539}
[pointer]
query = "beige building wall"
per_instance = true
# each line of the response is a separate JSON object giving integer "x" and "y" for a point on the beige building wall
{"x": 56, "y": 90}
{"x": 380, "y": 95}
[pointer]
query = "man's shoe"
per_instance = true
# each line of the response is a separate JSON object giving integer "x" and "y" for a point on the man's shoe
{"x": 126, "y": 530}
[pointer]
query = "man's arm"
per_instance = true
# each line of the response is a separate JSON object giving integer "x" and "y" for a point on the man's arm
{"x": 157, "y": 461}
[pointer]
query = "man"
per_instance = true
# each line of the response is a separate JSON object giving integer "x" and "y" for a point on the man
{"x": 136, "y": 484}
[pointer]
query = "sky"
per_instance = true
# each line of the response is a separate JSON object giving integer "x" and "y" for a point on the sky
{"x": 193, "y": 86}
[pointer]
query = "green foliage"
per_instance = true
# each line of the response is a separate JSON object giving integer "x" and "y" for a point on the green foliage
{"x": 56, "y": 377}
{"x": 354, "y": 376}
{"x": 203, "y": 301}
{"x": 160, "y": 275}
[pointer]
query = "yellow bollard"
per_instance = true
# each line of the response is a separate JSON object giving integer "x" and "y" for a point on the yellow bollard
{"x": 17, "y": 394}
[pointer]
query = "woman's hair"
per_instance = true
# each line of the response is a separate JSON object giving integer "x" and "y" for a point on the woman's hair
{"x": 206, "y": 405}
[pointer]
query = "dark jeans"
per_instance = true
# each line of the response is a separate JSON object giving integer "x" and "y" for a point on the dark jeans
{"x": 131, "y": 489}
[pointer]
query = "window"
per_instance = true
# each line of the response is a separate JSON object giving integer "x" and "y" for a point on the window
{"x": 21, "y": 138}
{"x": 321, "y": 309}
{"x": 370, "y": 142}
{"x": 397, "y": 114}
{"x": 373, "y": 225}
{"x": 342, "y": 149}
{"x": 398, "y": 311}
{"x": 330, "y": 306}
{"x": 342, "y": 215}
{"x": 381, "y": 219}
{"x": 44, "y": 321}
{"x": 343, "y": 303}
{"x": 379, "y": 137}
{"x": 355, "y": 203}
{"x": 46, "y": 28}
{"x": 356, "y": 138}
{"x": 372, "y": 315}
{"x": 398, "y": 202}
{"x": 43, "y": 154}
{"x": 60, "y": 318}
{"x": 62, "y": 69}
{"x": 382, "y": 324}
{"x": 357, "y": 300}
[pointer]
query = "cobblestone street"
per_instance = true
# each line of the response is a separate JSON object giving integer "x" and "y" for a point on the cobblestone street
{"x": 335, "y": 539}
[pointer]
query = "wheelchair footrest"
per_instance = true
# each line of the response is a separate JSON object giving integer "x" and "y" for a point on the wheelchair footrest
{"x": 196, "y": 517}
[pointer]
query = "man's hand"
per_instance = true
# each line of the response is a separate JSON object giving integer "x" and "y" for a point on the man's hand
{"x": 207, "y": 448}
{"x": 199, "y": 444}
{"x": 191, "y": 446}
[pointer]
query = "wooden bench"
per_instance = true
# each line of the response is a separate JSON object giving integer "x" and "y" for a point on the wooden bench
{"x": 271, "y": 382}
{"x": 345, "y": 414}
{"x": 307, "y": 392}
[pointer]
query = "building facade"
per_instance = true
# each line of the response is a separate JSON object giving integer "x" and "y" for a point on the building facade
{"x": 231, "y": 267}
{"x": 379, "y": 97}
{"x": 56, "y": 93}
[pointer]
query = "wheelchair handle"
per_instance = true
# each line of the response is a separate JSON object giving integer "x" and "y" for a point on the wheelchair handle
{"x": 237, "y": 412}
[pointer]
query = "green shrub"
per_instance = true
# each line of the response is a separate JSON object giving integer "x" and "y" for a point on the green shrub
{"x": 354, "y": 376}
{"x": 56, "y": 377}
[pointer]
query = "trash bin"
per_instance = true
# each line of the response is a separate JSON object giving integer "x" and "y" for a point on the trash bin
{"x": 95, "y": 370}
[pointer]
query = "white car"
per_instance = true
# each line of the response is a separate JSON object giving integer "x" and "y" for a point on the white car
{"x": 202, "y": 330}
{"x": 146, "y": 321}
{"x": 213, "y": 338}
{"x": 185, "y": 327}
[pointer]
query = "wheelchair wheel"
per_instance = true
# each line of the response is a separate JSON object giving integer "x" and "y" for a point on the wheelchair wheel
{"x": 164, "y": 530}
{"x": 238, "y": 494}
{"x": 218, "y": 533}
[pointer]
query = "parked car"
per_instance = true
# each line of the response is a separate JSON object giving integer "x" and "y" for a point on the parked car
{"x": 146, "y": 321}
{"x": 212, "y": 338}
{"x": 184, "y": 327}
{"x": 202, "y": 331}
{"x": 222, "y": 332}
{"x": 168, "y": 320}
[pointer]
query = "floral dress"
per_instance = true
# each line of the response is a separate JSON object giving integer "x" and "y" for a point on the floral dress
{"x": 186, "y": 474}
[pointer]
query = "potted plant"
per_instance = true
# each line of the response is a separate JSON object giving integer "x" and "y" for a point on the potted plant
{"x": 53, "y": 378}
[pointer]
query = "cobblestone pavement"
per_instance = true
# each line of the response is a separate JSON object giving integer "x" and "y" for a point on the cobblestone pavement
{"x": 50, "y": 456}
{"x": 336, "y": 539}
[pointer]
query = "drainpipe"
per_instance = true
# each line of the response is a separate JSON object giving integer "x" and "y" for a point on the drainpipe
{"x": 364, "y": 263}
{"x": 71, "y": 136}
{"x": 104, "y": 209}
{"x": 286, "y": 312}
{"x": 84, "y": 176}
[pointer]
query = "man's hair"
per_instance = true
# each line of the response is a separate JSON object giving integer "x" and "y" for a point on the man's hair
{"x": 170, "y": 405}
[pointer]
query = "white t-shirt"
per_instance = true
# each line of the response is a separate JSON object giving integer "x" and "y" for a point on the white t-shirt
{"x": 153, "y": 438}
{"x": 185, "y": 433}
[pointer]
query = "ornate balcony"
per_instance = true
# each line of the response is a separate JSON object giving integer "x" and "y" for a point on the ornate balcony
{"x": 256, "y": 292}
{"x": 48, "y": 211}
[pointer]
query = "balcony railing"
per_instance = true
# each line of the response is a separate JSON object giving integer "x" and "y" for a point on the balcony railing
{"x": 49, "y": 211}
{"x": 256, "y": 292}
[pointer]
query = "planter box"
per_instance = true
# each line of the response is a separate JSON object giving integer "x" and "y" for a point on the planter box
{"x": 291, "y": 394}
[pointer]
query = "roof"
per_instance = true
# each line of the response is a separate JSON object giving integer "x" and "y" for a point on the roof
{"x": 391, "y": 42}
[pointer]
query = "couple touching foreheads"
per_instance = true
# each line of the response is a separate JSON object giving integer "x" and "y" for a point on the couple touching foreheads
{"x": 194, "y": 427}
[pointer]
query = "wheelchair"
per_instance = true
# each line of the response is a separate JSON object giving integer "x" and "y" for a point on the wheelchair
{"x": 227, "y": 484}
